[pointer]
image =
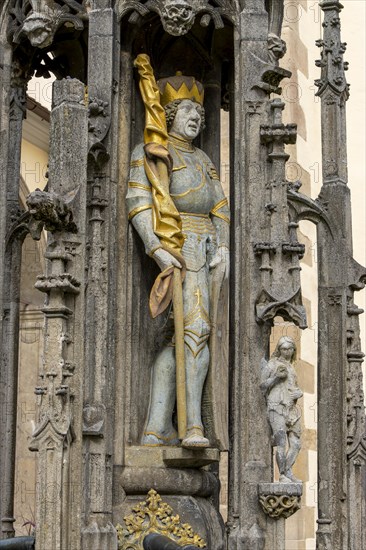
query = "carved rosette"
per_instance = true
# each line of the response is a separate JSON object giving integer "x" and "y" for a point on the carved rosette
{"x": 155, "y": 516}
{"x": 178, "y": 16}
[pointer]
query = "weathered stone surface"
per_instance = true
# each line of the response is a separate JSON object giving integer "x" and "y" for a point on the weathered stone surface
{"x": 93, "y": 395}
{"x": 170, "y": 456}
{"x": 184, "y": 481}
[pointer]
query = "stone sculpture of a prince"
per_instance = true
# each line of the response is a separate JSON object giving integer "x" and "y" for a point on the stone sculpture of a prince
{"x": 177, "y": 205}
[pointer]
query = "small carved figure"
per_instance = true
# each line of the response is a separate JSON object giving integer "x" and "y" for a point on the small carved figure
{"x": 195, "y": 198}
{"x": 279, "y": 386}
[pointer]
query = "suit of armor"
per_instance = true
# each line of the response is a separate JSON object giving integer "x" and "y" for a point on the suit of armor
{"x": 198, "y": 195}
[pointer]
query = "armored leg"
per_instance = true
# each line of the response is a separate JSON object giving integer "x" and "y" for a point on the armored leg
{"x": 159, "y": 429}
{"x": 197, "y": 357}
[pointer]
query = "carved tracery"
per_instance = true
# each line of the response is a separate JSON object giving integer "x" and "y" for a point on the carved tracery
{"x": 178, "y": 16}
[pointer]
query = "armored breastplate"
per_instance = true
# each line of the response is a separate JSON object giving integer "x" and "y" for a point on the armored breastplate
{"x": 191, "y": 186}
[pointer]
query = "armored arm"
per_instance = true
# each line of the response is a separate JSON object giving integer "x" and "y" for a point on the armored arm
{"x": 220, "y": 213}
{"x": 139, "y": 205}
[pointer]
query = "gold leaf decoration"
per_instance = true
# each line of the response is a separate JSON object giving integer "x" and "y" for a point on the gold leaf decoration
{"x": 155, "y": 516}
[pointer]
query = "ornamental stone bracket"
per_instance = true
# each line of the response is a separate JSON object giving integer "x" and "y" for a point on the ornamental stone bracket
{"x": 39, "y": 20}
{"x": 153, "y": 515}
{"x": 271, "y": 75}
{"x": 178, "y": 16}
{"x": 280, "y": 500}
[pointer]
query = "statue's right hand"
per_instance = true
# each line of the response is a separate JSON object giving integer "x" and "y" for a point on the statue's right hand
{"x": 281, "y": 372}
{"x": 164, "y": 259}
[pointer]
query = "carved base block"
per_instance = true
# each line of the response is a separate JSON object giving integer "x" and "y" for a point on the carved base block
{"x": 175, "y": 457}
{"x": 183, "y": 485}
{"x": 94, "y": 537}
{"x": 280, "y": 500}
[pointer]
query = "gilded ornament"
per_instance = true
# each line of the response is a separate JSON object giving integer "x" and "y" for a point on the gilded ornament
{"x": 155, "y": 516}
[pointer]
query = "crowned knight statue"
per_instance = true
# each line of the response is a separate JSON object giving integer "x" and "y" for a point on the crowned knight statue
{"x": 178, "y": 207}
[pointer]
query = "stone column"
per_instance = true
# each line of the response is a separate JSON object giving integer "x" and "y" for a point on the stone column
{"x": 264, "y": 280}
{"x": 356, "y": 428}
{"x": 334, "y": 252}
{"x": 100, "y": 315}
{"x": 250, "y": 456}
{"x": 57, "y": 436}
{"x": 14, "y": 81}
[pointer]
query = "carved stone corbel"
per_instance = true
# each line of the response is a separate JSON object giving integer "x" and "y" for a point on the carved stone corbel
{"x": 280, "y": 500}
{"x": 43, "y": 21}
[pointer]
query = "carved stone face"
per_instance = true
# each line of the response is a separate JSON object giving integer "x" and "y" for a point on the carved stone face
{"x": 177, "y": 17}
{"x": 287, "y": 351}
{"x": 187, "y": 121}
{"x": 39, "y": 31}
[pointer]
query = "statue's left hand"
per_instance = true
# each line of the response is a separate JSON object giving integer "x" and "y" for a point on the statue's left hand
{"x": 222, "y": 256}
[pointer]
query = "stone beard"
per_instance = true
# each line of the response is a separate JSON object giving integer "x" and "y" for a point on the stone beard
{"x": 198, "y": 195}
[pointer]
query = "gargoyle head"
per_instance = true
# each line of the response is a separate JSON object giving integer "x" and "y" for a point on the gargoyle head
{"x": 40, "y": 30}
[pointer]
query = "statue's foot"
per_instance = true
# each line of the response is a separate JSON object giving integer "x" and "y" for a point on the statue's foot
{"x": 285, "y": 479}
{"x": 195, "y": 440}
{"x": 291, "y": 476}
{"x": 156, "y": 440}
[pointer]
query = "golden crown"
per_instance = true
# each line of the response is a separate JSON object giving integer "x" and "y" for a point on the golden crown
{"x": 180, "y": 87}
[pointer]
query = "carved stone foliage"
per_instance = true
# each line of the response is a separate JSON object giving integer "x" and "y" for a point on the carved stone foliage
{"x": 280, "y": 506}
{"x": 332, "y": 49}
{"x": 178, "y": 16}
{"x": 280, "y": 500}
{"x": 155, "y": 516}
{"x": 39, "y": 20}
